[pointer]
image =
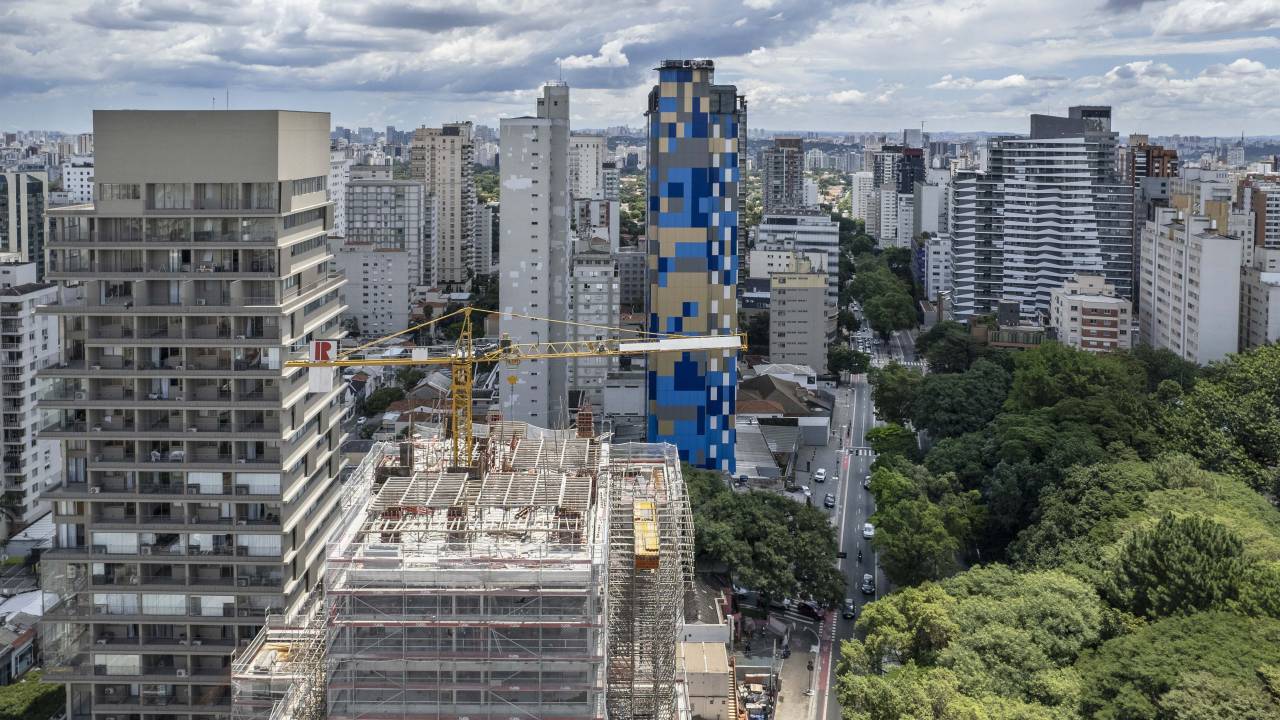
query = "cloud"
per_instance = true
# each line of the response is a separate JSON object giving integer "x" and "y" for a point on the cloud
{"x": 1215, "y": 16}
{"x": 610, "y": 55}
{"x": 760, "y": 4}
{"x": 430, "y": 19}
{"x": 847, "y": 97}
{"x": 156, "y": 15}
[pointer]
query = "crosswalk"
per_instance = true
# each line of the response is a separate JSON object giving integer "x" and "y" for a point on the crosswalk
{"x": 914, "y": 364}
{"x": 861, "y": 451}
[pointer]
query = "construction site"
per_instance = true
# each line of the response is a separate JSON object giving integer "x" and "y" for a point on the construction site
{"x": 546, "y": 578}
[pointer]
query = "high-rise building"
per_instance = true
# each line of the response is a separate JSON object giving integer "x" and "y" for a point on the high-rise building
{"x": 695, "y": 127}
{"x": 631, "y": 280}
{"x": 384, "y": 254}
{"x": 782, "y": 183}
{"x": 933, "y": 263}
{"x": 199, "y": 471}
{"x": 598, "y": 219}
{"x": 486, "y": 221}
{"x": 586, "y": 166}
{"x": 443, "y": 159}
{"x": 1259, "y": 307}
{"x": 533, "y": 271}
{"x": 593, "y": 305}
{"x": 1087, "y": 314}
{"x": 805, "y": 232}
{"x": 1265, "y": 203}
{"x": 1048, "y": 207}
{"x": 860, "y": 187}
{"x": 30, "y": 343}
{"x": 339, "y": 173}
{"x": 24, "y": 199}
{"x": 797, "y": 334}
{"x": 77, "y": 178}
{"x": 1235, "y": 154}
{"x": 609, "y": 176}
{"x": 1190, "y": 285}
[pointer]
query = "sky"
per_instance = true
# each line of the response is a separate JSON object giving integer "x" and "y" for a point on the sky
{"x": 1207, "y": 67}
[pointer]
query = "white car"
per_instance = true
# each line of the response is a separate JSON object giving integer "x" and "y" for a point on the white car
{"x": 820, "y": 475}
{"x": 868, "y": 530}
{"x": 807, "y": 492}
{"x": 361, "y": 421}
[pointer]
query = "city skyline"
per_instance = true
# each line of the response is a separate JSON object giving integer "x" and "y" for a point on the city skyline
{"x": 825, "y": 66}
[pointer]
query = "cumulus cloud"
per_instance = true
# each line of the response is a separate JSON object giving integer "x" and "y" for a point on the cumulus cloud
{"x": 1214, "y": 16}
{"x": 847, "y": 97}
{"x": 610, "y": 55}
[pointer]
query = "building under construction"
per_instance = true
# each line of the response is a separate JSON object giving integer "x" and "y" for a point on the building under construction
{"x": 546, "y": 581}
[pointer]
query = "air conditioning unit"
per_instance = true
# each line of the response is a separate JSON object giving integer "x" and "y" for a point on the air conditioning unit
{"x": 242, "y": 550}
{"x": 182, "y": 672}
{"x": 95, "y": 367}
{"x": 244, "y": 612}
{"x": 201, "y": 301}
{"x": 95, "y": 489}
{"x": 242, "y": 489}
{"x": 193, "y": 488}
{"x": 242, "y": 582}
{"x": 80, "y": 395}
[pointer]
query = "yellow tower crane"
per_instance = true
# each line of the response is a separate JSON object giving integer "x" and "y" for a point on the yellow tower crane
{"x": 465, "y": 355}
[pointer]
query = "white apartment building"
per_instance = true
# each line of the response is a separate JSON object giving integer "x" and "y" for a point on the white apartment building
{"x": 594, "y": 298}
{"x": 860, "y": 186}
{"x": 339, "y": 174}
{"x": 533, "y": 267}
{"x": 804, "y": 232}
{"x": 810, "y": 189}
{"x": 1190, "y": 285}
{"x": 906, "y": 221}
{"x": 77, "y": 179}
{"x": 763, "y": 263}
{"x": 885, "y": 229}
{"x": 1087, "y": 314}
{"x": 485, "y": 215}
{"x": 31, "y": 343}
{"x": 379, "y": 289}
{"x": 609, "y": 175}
{"x": 929, "y": 209}
{"x": 442, "y": 159}
{"x": 199, "y": 470}
{"x": 598, "y": 219}
{"x": 586, "y": 165}
{"x": 937, "y": 265}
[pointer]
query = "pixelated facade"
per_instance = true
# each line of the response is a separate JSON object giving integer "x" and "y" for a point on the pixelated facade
{"x": 694, "y": 132}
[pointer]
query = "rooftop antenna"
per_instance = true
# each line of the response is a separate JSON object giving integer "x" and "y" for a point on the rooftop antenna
{"x": 213, "y": 103}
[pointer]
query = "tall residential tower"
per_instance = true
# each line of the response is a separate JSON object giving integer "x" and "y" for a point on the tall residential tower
{"x": 694, "y": 131}
{"x": 199, "y": 471}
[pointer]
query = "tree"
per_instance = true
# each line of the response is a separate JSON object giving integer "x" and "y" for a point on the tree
{"x": 894, "y": 389}
{"x": 948, "y": 346}
{"x": 847, "y": 321}
{"x": 379, "y": 399}
{"x": 1163, "y": 364}
{"x": 1146, "y": 674}
{"x": 912, "y": 625}
{"x": 948, "y": 405}
{"x": 31, "y": 699}
{"x": 893, "y": 439}
{"x": 889, "y": 312}
{"x": 1180, "y": 566}
{"x": 768, "y": 542}
{"x": 408, "y": 378}
{"x": 913, "y": 541}
{"x": 842, "y": 359}
{"x": 1050, "y": 372}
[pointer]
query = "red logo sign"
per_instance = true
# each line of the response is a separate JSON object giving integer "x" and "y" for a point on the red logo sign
{"x": 323, "y": 350}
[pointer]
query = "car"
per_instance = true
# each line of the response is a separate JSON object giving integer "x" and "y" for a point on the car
{"x": 820, "y": 475}
{"x": 848, "y": 611}
{"x": 868, "y": 584}
{"x": 805, "y": 489}
{"x": 868, "y": 530}
{"x": 809, "y": 609}
{"x": 866, "y": 480}
{"x": 361, "y": 421}
{"x": 829, "y": 501}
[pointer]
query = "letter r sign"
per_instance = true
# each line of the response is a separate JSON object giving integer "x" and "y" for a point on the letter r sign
{"x": 323, "y": 350}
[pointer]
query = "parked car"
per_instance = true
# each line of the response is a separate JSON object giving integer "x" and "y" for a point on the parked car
{"x": 848, "y": 611}
{"x": 866, "y": 480}
{"x": 810, "y": 609}
{"x": 807, "y": 492}
{"x": 868, "y": 530}
{"x": 820, "y": 475}
{"x": 829, "y": 501}
{"x": 868, "y": 584}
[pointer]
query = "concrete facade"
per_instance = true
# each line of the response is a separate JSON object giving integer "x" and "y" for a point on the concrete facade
{"x": 586, "y": 166}
{"x": 24, "y": 199}
{"x": 593, "y": 301}
{"x": 442, "y": 159}
{"x": 782, "y": 176}
{"x": 534, "y": 260}
{"x": 1259, "y": 307}
{"x": 1087, "y": 314}
{"x": 797, "y": 334}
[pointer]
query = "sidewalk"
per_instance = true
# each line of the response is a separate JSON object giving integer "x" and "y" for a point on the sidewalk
{"x": 793, "y": 703}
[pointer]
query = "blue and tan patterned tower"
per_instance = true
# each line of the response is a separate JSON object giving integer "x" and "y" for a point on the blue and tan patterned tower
{"x": 694, "y": 131}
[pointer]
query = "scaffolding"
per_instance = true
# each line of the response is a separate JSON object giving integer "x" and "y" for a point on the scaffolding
{"x": 650, "y": 572}
{"x": 512, "y": 589}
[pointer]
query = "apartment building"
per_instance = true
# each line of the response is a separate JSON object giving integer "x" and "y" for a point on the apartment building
{"x": 782, "y": 176}
{"x": 1087, "y": 314}
{"x": 77, "y": 179}
{"x": 860, "y": 188}
{"x": 797, "y": 334}
{"x": 339, "y": 174}
{"x": 443, "y": 160}
{"x": 533, "y": 271}
{"x": 586, "y": 166}
{"x": 805, "y": 232}
{"x": 632, "y": 285}
{"x": 763, "y": 263}
{"x": 1259, "y": 307}
{"x": 594, "y": 304}
{"x": 486, "y": 237}
{"x": 933, "y": 265}
{"x": 384, "y": 255}
{"x": 1190, "y": 287}
{"x": 28, "y": 343}
{"x": 24, "y": 199}
{"x": 199, "y": 471}
{"x": 1265, "y": 201}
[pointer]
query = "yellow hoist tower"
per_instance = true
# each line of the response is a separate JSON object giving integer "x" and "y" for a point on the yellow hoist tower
{"x": 466, "y": 354}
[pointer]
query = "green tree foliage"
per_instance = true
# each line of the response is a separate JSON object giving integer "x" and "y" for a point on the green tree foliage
{"x": 889, "y": 312}
{"x": 948, "y": 347}
{"x": 1208, "y": 665}
{"x": 1162, "y": 364}
{"x": 893, "y": 439}
{"x": 486, "y": 184}
{"x": 912, "y": 625}
{"x": 31, "y": 699}
{"x": 951, "y": 404}
{"x": 847, "y": 321}
{"x": 1051, "y": 373}
{"x": 379, "y": 399}
{"x": 1230, "y": 420}
{"x": 842, "y": 359}
{"x": 408, "y": 378}
{"x": 1179, "y": 566}
{"x": 894, "y": 389}
{"x": 768, "y": 542}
